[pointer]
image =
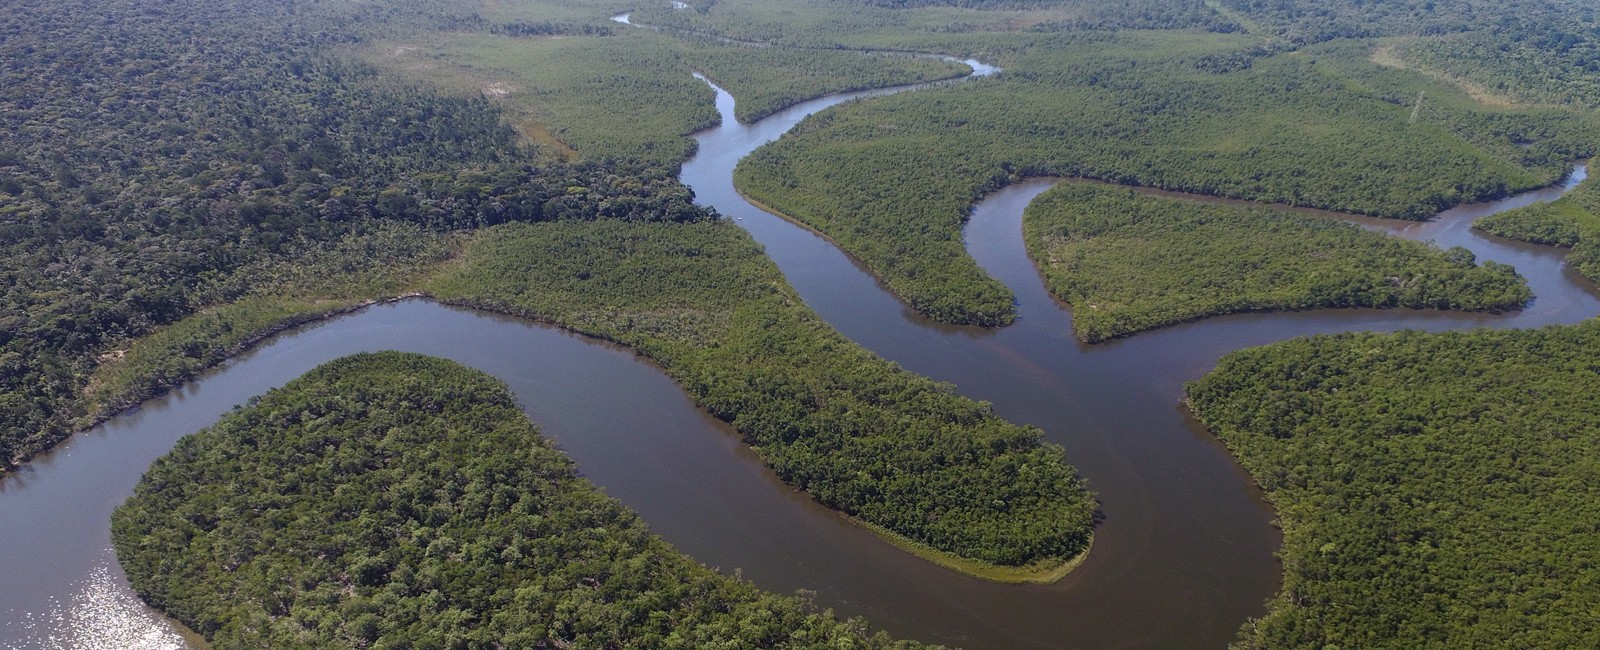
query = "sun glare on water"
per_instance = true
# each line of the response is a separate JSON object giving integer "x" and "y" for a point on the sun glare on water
{"x": 102, "y": 614}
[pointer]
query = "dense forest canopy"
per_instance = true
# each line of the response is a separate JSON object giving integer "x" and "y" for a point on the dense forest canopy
{"x": 399, "y": 501}
{"x": 147, "y": 177}
{"x": 1319, "y": 20}
{"x": 1435, "y": 490}
{"x": 1128, "y": 261}
{"x": 146, "y": 174}
{"x": 858, "y": 433}
{"x": 325, "y": 182}
{"x": 181, "y": 178}
{"x": 891, "y": 180}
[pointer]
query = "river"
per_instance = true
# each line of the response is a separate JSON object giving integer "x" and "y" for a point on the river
{"x": 1183, "y": 557}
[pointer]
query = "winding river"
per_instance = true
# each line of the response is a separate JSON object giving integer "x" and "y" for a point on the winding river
{"x": 1183, "y": 557}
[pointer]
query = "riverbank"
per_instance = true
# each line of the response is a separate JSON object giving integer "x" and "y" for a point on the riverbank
{"x": 1571, "y": 221}
{"x": 466, "y": 473}
{"x": 859, "y": 434}
{"x": 1368, "y": 444}
{"x": 668, "y": 338}
{"x": 1040, "y": 573}
{"x": 1128, "y": 261}
{"x": 1187, "y": 552}
{"x": 1044, "y": 572}
{"x": 892, "y": 180}
{"x": 904, "y": 593}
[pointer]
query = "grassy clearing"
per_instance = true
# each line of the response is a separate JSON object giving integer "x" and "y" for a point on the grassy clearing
{"x": 899, "y": 25}
{"x": 1384, "y": 55}
{"x": 575, "y": 12}
{"x": 631, "y": 94}
{"x": 582, "y": 91}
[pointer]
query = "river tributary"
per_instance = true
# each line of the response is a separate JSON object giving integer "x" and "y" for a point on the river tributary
{"x": 1182, "y": 558}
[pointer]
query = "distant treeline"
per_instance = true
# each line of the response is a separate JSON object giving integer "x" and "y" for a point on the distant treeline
{"x": 892, "y": 179}
{"x": 1321, "y": 20}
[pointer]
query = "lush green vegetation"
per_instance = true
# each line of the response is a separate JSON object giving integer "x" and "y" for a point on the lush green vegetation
{"x": 1532, "y": 50}
{"x": 1128, "y": 261}
{"x": 307, "y": 184}
{"x": 152, "y": 178}
{"x": 399, "y": 501}
{"x": 891, "y": 179}
{"x": 584, "y": 92}
{"x": 859, "y": 434}
{"x": 1435, "y": 490}
{"x": 1572, "y": 221}
{"x": 879, "y": 23}
{"x": 146, "y": 178}
{"x": 327, "y": 279}
{"x": 1533, "y": 63}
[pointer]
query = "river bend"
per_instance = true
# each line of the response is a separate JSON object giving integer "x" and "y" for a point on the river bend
{"x": 1184, "y": 555}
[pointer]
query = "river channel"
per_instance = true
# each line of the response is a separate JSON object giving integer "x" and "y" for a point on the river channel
{"x": 1183, "y": 557}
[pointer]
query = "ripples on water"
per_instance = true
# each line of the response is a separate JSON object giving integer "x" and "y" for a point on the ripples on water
{"x": 101, "y": 614}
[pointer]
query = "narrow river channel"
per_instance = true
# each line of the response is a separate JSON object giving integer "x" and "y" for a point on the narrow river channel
{"x": 1183, "y": 557}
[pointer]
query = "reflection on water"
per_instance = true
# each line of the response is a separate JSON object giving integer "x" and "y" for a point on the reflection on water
{"x": 101, "y": 614}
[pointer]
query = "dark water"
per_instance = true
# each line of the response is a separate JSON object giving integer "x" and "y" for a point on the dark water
{"x": 1182, "y": 559}
{"x": 1185, "y": 553}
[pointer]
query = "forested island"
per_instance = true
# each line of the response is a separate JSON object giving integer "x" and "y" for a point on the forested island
{"x": 182, "y": 180}
{"x": 1128, "y": 261}
{"x": 399, "y": 501}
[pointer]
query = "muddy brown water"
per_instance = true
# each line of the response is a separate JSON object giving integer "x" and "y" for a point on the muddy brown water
{"x": 1183, "y": 557}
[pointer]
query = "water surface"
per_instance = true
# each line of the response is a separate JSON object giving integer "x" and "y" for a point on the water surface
{"x": 1185, "y": 554}
{"x": 1183, "y": 557}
